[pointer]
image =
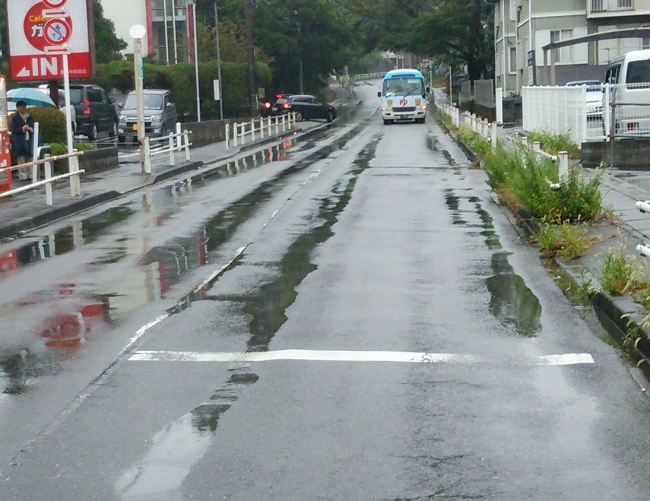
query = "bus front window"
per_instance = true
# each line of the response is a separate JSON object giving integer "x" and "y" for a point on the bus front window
{"x": 403, "y": 87}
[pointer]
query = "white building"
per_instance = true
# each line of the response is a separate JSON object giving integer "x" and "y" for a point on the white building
{"x": 159, "y": 17}
{"x": 523, "y": 27}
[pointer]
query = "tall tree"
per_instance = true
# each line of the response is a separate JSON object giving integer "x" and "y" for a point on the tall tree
{"x": 108, "y": 46}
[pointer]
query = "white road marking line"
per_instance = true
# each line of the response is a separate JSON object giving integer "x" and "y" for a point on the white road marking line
{"x": 347, "y": 356}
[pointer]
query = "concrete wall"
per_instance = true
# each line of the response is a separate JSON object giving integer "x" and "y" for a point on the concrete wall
{"x": 99, "y": 160}
{"x": 207, "y": 132}
{"x": 628, "y": 154}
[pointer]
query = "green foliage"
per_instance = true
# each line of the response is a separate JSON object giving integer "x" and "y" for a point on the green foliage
{"x": 107, "y": 45}
{"x": 620, "y": 275}
{"x": 565, "y": 240}
{"x": 554, "y": 143}
{"x": 62, "y": 148}
{"x": 180, "y": 80}
{"x": 526, "y": 181}
{"x": 51, "y": 123}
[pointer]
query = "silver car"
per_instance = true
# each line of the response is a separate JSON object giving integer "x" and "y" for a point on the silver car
{"x": 159, "y": 115}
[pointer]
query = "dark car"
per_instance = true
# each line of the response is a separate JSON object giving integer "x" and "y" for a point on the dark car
{"x": 268, "y": 108}
{"x": 94, "y": 109}
{"x": 306, "y": 107}
{"x": 159, "y": 114}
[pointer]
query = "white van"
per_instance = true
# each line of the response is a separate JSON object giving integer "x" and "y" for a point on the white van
{"x": 629, "y": 76}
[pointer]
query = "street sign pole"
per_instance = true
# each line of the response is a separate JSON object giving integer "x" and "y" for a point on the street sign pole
{"x": 137, "y": 32}
{"x": 216, "y": 23}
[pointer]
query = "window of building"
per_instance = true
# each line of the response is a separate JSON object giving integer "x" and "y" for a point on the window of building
{"x": 512, "y": 63}
{"x": 565, "y": 54}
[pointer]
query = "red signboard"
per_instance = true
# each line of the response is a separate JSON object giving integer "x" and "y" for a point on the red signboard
{"x": 40, "y": 30}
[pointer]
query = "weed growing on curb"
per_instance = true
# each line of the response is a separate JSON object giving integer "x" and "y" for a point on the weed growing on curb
{"x": 474, "y": 140}
{"x": 621, "y": 274}
{"x": 565, "y": 240}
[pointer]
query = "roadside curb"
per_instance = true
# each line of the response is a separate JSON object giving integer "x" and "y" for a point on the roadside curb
{"x": 17, "y": 228}
{"x": 620, "y": 316}
{"x": 469, "y": 153}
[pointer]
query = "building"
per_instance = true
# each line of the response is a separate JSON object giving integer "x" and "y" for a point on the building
{"x": 166, "y": 22}
{"x": 523, "y": 27}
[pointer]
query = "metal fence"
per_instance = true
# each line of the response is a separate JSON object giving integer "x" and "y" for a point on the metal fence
{"x": 589, "y": 113}
{"x": 369, "y": 76}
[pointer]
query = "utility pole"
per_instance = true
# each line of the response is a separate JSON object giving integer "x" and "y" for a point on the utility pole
{"x": 250, "y": 41}
{"x": 300, "y": 63}
{"x": 216, "y": 34}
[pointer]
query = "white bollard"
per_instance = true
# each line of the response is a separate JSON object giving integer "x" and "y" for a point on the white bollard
{"x": 227, "y": 134}
{"x": 494, "y": 135}
{"x": 284, "y": 123}
{"x": 261, "y": 128}
{"x": 277, "y": 125}
{"x": 537, "y": 146}
{"x": 75, "y": 182}
{"x": 35, "y": 151}
{"x": 563, "y": 165}
{"x": 179, "y": 139}
{"x": 186, "y": 137}
{"x": 235, "y": 126}
{"x": 147, "y": 155}
{"x": 172, "y": 157}
{"x": 48, "y": 187}
{"x": 524, "y": 141}
{"x": 270, "y": 127}
{"x": 253, "y": 130}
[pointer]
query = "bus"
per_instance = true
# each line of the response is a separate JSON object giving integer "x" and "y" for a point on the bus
{"x": 403, "y": 96}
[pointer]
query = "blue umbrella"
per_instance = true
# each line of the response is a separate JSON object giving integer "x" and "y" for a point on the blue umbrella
{"x": 32, "y": 97}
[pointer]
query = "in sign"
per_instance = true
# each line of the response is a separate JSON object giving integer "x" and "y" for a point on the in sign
{"x": 57, "y": 31}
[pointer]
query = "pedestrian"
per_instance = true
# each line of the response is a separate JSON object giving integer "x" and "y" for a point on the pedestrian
{"x": 22, "y": 127}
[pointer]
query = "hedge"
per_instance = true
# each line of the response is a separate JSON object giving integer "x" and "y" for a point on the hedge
{"x": 51, "y": 124}
{"x": 180, "y": 79}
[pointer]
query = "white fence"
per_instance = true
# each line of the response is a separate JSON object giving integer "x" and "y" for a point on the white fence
{"x": 369, "y": 76}
{"x": 593, "y": 113}
{"x": 262, "y": 127}
{"x": 559, "y": 110}
{"x": 73, "y": 174}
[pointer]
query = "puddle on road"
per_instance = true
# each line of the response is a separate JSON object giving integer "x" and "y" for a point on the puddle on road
{"x": 78, "y": 312}
{"x": 182, "y": 443}
{"x": 433, "y": 143}
{"x": 511, "y": 300}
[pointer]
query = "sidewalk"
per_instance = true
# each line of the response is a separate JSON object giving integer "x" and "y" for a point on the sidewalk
{"x": 28, "y": 210}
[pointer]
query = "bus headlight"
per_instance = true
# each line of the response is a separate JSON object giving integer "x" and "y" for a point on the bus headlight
{"x": 424, "y": 107}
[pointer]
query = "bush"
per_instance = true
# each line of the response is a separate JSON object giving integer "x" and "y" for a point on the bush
{"x": 474, "y": 140}
{"x": 525, "y": 181}
{"x": 62, "y": 148}
{"x": 620, "y": 275}
{"x": 554, "y": 143}
{"x": 51, "y": 123}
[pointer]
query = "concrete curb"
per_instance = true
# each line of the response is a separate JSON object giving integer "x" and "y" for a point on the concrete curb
{"x": 16, "y": 228}
{"x": 620, "y": 316}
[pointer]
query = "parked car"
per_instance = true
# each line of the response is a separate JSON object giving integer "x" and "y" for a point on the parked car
{"x": 95, "y": 111}
{"x": 594, "y": 97}
{"x": 630, "y": 76}
{"x": 267, "y": 107}
{"x": 306, "y": 107}
{"x": 62, "y": 105}
{"x": 159, "y": 114}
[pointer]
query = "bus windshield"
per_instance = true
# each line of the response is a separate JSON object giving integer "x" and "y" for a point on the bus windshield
{"x": 403, "y": 86}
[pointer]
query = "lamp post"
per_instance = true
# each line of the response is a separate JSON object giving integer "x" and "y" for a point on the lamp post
{"x": 137, "y": 32}
{"x": 196, "y": 61}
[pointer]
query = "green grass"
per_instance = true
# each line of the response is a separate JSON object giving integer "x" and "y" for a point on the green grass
{"x": 565, "y": 240}
{"x": 554, "y": 143}
{"x": 523, "y": 181}
{"x": 622, "y": 275}
{"x": 474, "y": 140}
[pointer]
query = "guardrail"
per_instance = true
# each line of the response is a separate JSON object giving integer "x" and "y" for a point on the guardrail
{"x": 169, "y": 144}
{"x": 73, "y": 174}
{"x": 262, "y": 126}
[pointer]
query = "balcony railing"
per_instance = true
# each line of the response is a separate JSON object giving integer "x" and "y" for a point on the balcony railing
{"x": 603, "y": 6}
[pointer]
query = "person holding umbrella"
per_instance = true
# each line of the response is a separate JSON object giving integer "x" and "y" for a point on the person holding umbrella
{"x": 22, "y": 125}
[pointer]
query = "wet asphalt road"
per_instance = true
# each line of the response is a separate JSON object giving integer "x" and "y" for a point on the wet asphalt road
{"x": 119, "y": 330}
